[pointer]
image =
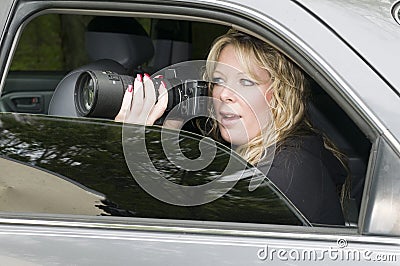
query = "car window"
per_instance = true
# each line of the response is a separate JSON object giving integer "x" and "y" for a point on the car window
{"x": 53, "y": 48}
{"x": 51, "y": 45}
{"x": 29, "y": 189}
{"x": 77, "y": 166}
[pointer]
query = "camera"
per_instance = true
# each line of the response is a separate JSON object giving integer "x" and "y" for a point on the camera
{"x": 99, "y": 94}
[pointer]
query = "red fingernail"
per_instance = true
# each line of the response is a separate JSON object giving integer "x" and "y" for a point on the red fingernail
{"x": 130, "y": 88}
{"x": 146, "y": 75}
{"x": 139, "y": 77}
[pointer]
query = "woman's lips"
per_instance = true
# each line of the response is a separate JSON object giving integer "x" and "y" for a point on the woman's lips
{"x": 228, "y": 119}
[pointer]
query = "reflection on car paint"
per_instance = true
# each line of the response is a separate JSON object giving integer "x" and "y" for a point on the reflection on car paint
{"x": 90, "y": 153}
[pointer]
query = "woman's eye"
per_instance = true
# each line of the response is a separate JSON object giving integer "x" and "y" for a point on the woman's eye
{"x": 217, "y": 81}
{"x": 247, "y": 82}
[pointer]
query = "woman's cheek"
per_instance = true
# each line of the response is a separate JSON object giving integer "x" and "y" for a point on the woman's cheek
{"x": 224, "y": 134}
{"x": 237, "y": 135}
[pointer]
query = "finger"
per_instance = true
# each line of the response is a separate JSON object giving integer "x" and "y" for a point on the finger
{"x": 126, "y": 104}
{"x": 161, "y": 105}
{"x": 137, "y": 99}
{"x": 150, "y": 93}
{"x": 173, "y": 124}
{"x": 162, "y": 97}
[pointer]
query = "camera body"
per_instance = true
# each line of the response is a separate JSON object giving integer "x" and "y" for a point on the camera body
{"x": 99, "y": 94}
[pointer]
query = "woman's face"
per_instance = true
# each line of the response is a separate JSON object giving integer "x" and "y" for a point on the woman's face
{"x": 240, "y": 102}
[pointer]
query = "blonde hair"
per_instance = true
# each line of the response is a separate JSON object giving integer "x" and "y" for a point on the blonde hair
{"x": 288, "y": 89}
{"x": 289, "y": 96}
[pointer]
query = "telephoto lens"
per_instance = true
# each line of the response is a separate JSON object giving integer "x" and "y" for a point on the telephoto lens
{"x": 99, "y": 93}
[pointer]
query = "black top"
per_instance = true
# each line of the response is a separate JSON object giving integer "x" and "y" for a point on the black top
{"x": 308, "y": 174}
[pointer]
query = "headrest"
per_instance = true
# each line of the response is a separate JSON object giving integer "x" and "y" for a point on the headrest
{"x": 62, "y": 103}
{"x": 172, "y": 41}
{"x": 118, "y": 38}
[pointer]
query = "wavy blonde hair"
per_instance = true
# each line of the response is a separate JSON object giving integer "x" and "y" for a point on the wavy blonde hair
{"x": 288, "y": 102}
{"x": 288, "y": 89}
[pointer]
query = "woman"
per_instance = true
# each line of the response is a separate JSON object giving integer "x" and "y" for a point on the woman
{"x": 259, "y": 103}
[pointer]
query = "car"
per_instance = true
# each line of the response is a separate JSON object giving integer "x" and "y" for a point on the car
{"x": 89, "y": 190}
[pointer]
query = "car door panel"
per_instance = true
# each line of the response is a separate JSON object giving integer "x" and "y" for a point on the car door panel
{"x": 182, "y": 244}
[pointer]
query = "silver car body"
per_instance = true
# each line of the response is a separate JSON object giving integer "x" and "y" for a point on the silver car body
{"x": 352, "y": 47}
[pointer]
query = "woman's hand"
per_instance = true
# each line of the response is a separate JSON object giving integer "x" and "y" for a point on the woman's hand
{"x": 139, "y": 105}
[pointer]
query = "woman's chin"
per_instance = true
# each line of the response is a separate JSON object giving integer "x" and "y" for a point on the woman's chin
{"x": 234, "y": 137}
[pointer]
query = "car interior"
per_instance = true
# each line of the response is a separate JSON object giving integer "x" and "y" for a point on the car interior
{"x": 147, "y": 46}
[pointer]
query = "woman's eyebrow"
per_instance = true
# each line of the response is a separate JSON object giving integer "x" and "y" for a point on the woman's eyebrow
{"x": 218, "y": 72}
{"x": 247, "y": 76}
{"x": 238, "y": 74}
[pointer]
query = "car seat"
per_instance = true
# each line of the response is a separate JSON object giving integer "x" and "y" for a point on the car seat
{"x": 172, "y": 42}
{"x": 326, "y": 115}
{"x": 117, "y": 44}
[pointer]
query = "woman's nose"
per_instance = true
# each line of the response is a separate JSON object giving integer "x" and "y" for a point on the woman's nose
{"x": 227, "y": 95}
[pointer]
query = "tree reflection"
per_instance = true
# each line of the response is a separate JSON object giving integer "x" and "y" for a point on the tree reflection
{"x": 90, "y": 153}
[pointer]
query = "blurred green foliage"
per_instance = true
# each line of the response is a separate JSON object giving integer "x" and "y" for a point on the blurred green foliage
{"x": 52, "y": 42}
{"x": 56, "y": 42}
{"x": 40, "y": 46}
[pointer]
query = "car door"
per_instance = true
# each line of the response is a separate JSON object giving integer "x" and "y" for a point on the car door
{"x": 76, "y": 169}
{"x": 240, "y": 228}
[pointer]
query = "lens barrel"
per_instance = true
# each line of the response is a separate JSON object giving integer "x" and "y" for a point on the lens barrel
{"x": 99, "y": 93}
